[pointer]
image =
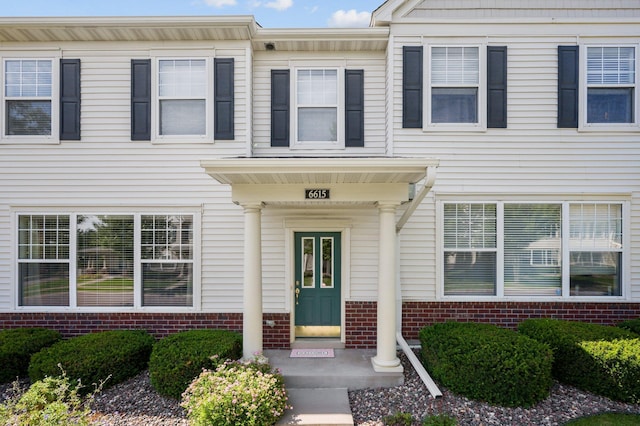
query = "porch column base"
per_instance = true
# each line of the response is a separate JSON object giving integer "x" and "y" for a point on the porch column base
{"x": 381, "y": 366}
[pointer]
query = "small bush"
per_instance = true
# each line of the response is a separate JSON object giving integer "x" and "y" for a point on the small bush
{"x": 398, "y": 419}
{"x": 631, "y": 325}
{"x": 17, "y": 346}
{"x": 178, "y": 359}
{"x": 236, "y": 394}
{"x": 118, "y": 354}
{"x": 439, "y": 420}
{"x": 48, "y": 402}
{"x": 582, "y": 357}
{"x": 488, "y": 363}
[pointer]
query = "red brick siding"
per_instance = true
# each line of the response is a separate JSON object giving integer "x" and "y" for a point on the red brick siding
{"x": 361, "y": 319}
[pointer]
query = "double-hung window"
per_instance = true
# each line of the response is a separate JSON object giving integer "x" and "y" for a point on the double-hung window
{"x": 182, "y": 97}
{"x": 541, "y": 249}
{"x": 28, "y": 94}
{"x": 128, "y": 260}
{"x": 454, "y": 85}
{"x": 316, "y": 97}
{"x": 611, "y": 85}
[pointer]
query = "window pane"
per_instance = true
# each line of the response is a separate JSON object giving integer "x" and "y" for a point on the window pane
{"x": 317, "y": 124}
{"x": 595, "y": 273}
{"x": 308, "y": 263}
{"x": 610, "y": 65}
{"x": 182, "y": 117}
{"x": 469, "y": 226}
{"x": 43, "y": 284}
{"x": 28, "y": 118}
{"x": 167, "y": 237}
{"x": 454, "y": 105}
{"x": 317, "y": 87}
{"x": 105, "y": 260}
{"x": 610, "y": 105}
{"x": 167, "y": 284}
{"x": 596, "y": 226}
{"x": 327, "y": 262}
{"x": 454, "y": 65}
{"x": 28, "y": 78}
{"x": 182, "y": 78}
{"x": 469, "y": 273}
{"x": 532, "y": 249}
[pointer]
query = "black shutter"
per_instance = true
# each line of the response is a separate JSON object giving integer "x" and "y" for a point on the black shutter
{"x": 568, "y": 67}
{"x": 223, "y": 98}
{"x": 412, "y": 86}
{"x": 354, "y": 108}
{"x": 497, "y": 86}
{"x": 70, "y": 99}
{"x": 280, "y": 107}
{"x": 140, "y": 99}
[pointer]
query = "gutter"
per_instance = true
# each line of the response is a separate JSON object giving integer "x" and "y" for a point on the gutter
{"x": 411, "y": 356}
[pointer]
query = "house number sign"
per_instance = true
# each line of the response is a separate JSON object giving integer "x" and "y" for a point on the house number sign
{"x": 316, "y": 194}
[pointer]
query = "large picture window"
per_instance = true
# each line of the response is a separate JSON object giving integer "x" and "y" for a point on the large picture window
{"x": 521, "y": 249}
{"x": 121, "y": 260}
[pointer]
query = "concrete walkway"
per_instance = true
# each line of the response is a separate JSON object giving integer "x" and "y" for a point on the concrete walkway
{"x": 318, "y": 387}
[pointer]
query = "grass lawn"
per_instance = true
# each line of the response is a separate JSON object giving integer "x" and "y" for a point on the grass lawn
{"x": 609, "y": 419}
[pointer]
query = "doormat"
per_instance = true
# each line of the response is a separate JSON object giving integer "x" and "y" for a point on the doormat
{"x": 312, "y": 353}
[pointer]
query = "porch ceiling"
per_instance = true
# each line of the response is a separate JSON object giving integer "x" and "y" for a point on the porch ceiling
{"x": 314, "y": 171}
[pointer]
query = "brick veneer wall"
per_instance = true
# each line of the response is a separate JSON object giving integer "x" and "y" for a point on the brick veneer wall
{"x": 361, "y": 317}
{"x": 158, "y": 324}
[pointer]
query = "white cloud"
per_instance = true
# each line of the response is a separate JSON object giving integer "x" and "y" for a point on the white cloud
{"x": 279, "y": 4}
{"x": 349, "y": 18}
{"x": 220, "y": 3}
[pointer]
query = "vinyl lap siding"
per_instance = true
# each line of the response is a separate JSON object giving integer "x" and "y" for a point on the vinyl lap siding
{"x": 5, "y": 256}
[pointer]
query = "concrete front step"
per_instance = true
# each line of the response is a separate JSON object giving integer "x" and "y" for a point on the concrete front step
{"x": 318, "y": 407}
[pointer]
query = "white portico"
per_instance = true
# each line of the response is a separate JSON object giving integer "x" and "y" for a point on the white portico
{"x": 381, "y": 183}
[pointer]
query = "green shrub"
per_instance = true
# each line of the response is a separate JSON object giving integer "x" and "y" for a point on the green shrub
{"x": 48, "y": 402}
{"x": 398, "y": 419}
{"x": 118, "y": 354}
{"x": 236, "y": 394}
{"x": 582, "y": 359}
{"x": 178, "y": 359}
{"x": 631, "y": 325}
{"x": 439, "y": 420}
{"x": 485, "y": 362}
{"x": 16, "y": 347}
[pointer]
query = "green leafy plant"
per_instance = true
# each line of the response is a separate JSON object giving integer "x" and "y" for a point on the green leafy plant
{"x": 600, "y": 359}
{"x": 178, "y": 359}
{"x": 236, "y": 394}
{"x": 52, "y": 401}
{"x": 439, "y": 420}
{"x": 16, "y": 347}
{"x": 631, "y": 325}
{"x": 398, "y": 419}
{"x": 488, "y": 363}
{"x": 119, "y": 354}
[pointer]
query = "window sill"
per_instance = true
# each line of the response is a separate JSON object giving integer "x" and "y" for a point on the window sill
{"x": 622, "y": 127}
{"x": 27, "y": 140}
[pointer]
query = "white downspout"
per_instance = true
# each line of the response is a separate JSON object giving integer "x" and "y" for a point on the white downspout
{"x": 411, "y": 356}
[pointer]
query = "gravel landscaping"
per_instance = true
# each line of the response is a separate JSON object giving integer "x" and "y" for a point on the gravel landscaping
{"x": 135, "y": 403}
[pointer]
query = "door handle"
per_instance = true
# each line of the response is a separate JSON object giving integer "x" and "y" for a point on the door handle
{"x": 297, "y": 295}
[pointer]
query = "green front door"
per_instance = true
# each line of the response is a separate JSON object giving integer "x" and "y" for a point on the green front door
{"x": 317, "y": 284}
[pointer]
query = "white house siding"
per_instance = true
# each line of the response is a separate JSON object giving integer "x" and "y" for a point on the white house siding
{"x": 373, "y": 64}
{"x": 531, "y": 159}
{"x": 105, "y": 171}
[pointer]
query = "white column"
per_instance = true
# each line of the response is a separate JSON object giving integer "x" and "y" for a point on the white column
{"x": 252, "y": 291}
{"x": 386, "y": 359}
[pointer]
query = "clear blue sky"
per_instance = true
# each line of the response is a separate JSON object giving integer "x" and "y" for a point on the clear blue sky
{"x": 268, "y": 13}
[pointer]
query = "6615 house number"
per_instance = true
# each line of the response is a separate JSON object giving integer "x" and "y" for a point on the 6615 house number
{"x": 316, "y": 194}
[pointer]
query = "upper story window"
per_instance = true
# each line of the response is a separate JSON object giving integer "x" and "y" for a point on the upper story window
{"x": 455, "y": 84}
{"x": 182, "y": 97}
{"x": 611, "y": 84}
{"x": 28, "y": 92}
{"x": 317, "y": 106}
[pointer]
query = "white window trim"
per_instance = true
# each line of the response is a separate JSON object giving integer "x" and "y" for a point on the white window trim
{"x": 625, "y": 273}
{"x": 156, "y": 137}
{"x": 137, "y": 289}
{"x": 339, "y": 143}
{"x": 582, "y": 105}
{"x": 481, "y": 125}
{"x": 54, "y": 137}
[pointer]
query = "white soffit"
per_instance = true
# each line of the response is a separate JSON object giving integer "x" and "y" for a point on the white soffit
{"x": 258, "y": 171}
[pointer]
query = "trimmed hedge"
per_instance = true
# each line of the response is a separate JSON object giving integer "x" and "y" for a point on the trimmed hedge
{"x": 179, "y": 358}
{"x": 596, "y": 358}
{"x": 485, "y": 362}
{"x": 16, "y": 347}
{"x": 631, "y": 325}
{"x": 92, "y": 358}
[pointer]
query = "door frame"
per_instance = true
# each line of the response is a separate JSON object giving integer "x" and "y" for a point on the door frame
{"x": 308, "y": 224}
